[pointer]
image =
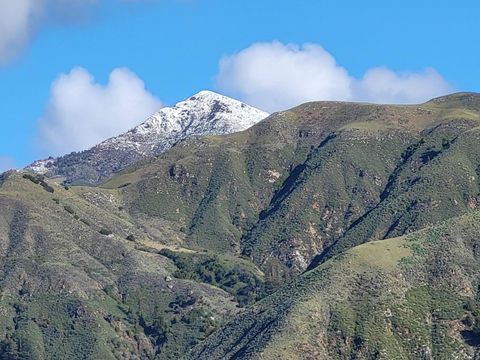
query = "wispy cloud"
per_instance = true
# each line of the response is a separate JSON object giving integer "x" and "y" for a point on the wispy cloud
{"x": 81, "y": 112}
{"x": 275, "y": 76}
{"x": 21, "y": 19}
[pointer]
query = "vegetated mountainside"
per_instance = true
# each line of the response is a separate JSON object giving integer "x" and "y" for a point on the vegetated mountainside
{"x": 329, "y": 231}
{"x": 80, "y": 280}
{"x": 411, "y": 297}
{"x": 205, "y": 113}
{"x": 312, "y": 182}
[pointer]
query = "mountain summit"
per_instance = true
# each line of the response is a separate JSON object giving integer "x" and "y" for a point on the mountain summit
{"x": 205, "y": 113}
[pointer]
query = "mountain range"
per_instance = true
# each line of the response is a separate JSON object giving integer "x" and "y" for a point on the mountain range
{"x": 331, "y": 230}
{"x": 205, "y": 113}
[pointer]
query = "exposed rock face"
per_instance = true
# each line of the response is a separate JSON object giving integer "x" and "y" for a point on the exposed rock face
{"x": 205, "y": 113}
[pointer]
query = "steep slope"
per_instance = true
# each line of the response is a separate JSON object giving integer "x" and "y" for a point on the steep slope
{"x": 205, "y": 113}
{"x": 324, "y": 203}
{"x": 310, "y": 182}
{"x": 412, "y": 297}
{"x": 80, "y": 280}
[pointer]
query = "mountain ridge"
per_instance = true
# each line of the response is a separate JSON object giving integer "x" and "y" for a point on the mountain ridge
{"x": 334, "y": 170}
{"x": 205, "y": 113}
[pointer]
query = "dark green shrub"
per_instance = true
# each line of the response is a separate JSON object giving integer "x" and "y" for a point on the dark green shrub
{"x": 47, "y": 187}
{"x": 469, "y": 320}
{"x": 39, "y": 180}
{"x": 34, "y": 178}
{"x": 69, "y": 209}
{"x": 105, "y": 231}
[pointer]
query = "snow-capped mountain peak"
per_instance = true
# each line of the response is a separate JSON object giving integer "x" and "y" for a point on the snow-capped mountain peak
{"x": 205, "y": 113}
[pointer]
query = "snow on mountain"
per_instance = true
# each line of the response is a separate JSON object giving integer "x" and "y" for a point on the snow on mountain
{"x": 41, "y": 166}
{"x": 206, "y": 113}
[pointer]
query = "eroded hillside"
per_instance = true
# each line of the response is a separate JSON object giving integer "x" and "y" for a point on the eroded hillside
{"x": 412, "y": 297}
{"x": 311, "y": 182}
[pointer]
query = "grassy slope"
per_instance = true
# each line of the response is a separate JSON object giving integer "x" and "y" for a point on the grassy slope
{"x": 70, "y": 292}
{"x": 412, "y": 297}
{"x": 300, "y": 188}
{"x": 308, "y": 183}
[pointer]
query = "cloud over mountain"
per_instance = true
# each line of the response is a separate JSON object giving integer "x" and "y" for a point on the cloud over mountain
{"x": 274, "y": 76}
{"x": 82, "y": 112}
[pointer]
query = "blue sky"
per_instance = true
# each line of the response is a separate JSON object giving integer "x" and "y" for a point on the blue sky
{"x": 175, "y": 48}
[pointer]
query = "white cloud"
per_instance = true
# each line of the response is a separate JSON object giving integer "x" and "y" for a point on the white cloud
{"x": 21, "y": 19}
{"x": 274, "y": 76}
{"x": 6, "y": 163}
{"x": 81, "y": 112}
{"x": 17, "y": 21}
{"x": 385, "y": 86}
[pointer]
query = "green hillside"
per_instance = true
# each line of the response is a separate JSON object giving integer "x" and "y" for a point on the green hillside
{"x": 412, "y": 297}
{"x": 329, "y": 231}
{"x": 79, "y": 280}
{"x": 311, "y": 182}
